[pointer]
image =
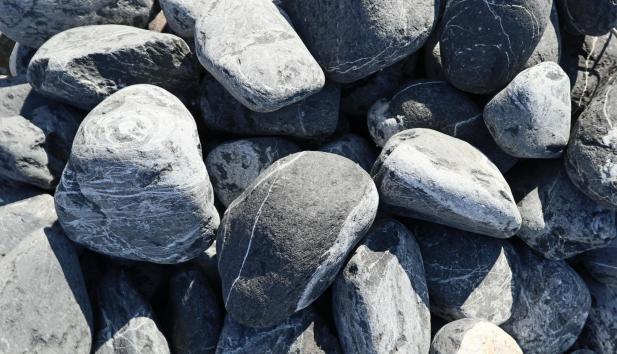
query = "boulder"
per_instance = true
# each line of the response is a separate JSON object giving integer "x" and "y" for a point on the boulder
{"x": 20, "y": 59}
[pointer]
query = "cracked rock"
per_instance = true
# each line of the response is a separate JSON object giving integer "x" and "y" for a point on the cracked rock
{"x": 355, "y": 148}
{"x": 588, "y": 17}
{"x": 473, "y": 336}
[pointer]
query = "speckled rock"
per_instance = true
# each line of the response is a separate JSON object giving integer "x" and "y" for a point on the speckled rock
{"x": 601, "y": 328}
{"x": 20, "y": 59}
{"x": 380, "y": 299}
{"x": 427, "y": 175}
{"x": 6, "y": 46}
{"x": 181, "y": 15}
{"x": 17, "y": 97}
{"x": 250, "y": 48}
{"x": 123, "y": 56}
{"x": 485, "y": 44}
{"x": 353, "y": 39}
{"x": 354, "y": 147}
{"x": 473, "y": 336}
{"x": 234, "y": 165}
{"x": 135, "y": 186}
{"x": 32, "y": 22}
{"x": 530, "y": 118}
{"x": 549, "y": 47}
{"x": 588, "y": 17}
{"x": 601, "y": 264}
{"x": 282, "y": 242}
{"x": 43, "y": 299}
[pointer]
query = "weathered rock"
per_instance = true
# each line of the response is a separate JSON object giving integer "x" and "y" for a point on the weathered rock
{"x": 601, "y": 328}
{"x": 588, "y": 17}
{"x": 530, "y": 118}
{"x": 549, "y": 47}
{"x": 182, "y": 14}
{"x": 282, "y": 242}
{"x": 427, "y": 175}
{"x": 234, "y": 165}
{"x": 6, "y": 46}
{"x": 43, "y": 299}
{"x": 252, "y": 50}
{"x": 17, "y": 98}
{"x": 20, "y": 59}
{"x": 355, "y": 148}
{"x": 32, "y": 22}
{"x": 485, "y": 44}
{"x": 380, "y": 299}
{"x": 473, "y": 336}
{"x": 135, "y": 186}
{"x": 82, "y": 66}
{"x": 601, "y": 264}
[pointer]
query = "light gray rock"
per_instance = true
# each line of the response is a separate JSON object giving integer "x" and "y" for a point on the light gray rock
{"x": 181, "y": 15}
{"x": 251, "y": 49}
{"x": 601, "y": 328}
{"x": 354, "y": 147}
{"x": 17, "y": 97}
{"x": 549, "y": 47}
{"x": 82, "y": 66}
{"x": 428, "y": 175}
{"x": 588, "y": 17}
{"x": 473, "y": 336}
{"x": 380, "y": 300}
{"x": 282, "y": 242}
{"x": 601, "y": 264}
{"x": 20, "y": 59}
{"x": 135, "y": 186}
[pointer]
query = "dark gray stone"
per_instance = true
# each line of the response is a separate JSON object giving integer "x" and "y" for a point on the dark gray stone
{"x": 354, "y": 147}
{"x": 549, "y": 47}
{"x": 601, "y": 328}
{"x": 282, "y": 242}
{"x": 601, "y": 264}
{"x": 473, "y": 336}
{"x": 583, "y": 351}
{"x": 20, "y": 59}
{"x": 181, "y": 15}
{"x": 588, "y": 17}
{"x": 135, "y": 186}
{"x": 380, "y": 299}
{"x": 6, "y": 46}
{"x": 11, "y": 191}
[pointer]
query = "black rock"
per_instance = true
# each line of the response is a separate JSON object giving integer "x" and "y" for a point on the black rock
{"x": 601, "y": 264}
{"x": 600, "y": 330}
{"x": 549, "y": 48}
{"x": 588, "y": 17}
{"x": 355, "y": 148}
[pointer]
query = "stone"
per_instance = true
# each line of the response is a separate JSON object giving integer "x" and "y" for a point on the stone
{"x": 234, "y": 165}
{"x": 43, "y": 298}
{"x": 380, "y": 300}
{"x": 158, "y": 23}
{"x": 354, "y": 147}
{"x": 433, "y": 65}
{"x": 583, "y": 351}
{"x": 6, "y": 46}
{"x": 11, "y": 191}
{"x": 530, "y": 118}
{"x": 353, "y": 39}
{"x": 473, "y": 336}
{"x": 485, "y": 44}
{"x": 135, "y": 186}
{"x": 253, "y": 51}
{"x": 549, "y": 47}
{"x": 601, "y": 328}
{"x": 559, "y": 221}
{"x": 63, "y": 68}
{"x": 601, "y": 264}
{"x": 424, "y": 174}
{"x": 181, "y": 15}
{"x": 20, "y": 59}
{"x": 32, "y": 22}
{"x": 588, "y": 17}
{"x": 284, "y": 239}
{"x": 17, "y": 97}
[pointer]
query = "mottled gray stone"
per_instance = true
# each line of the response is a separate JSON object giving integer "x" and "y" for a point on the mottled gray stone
{"x": 354, "y": 39}
{"x": 354, "y": 147}
{"x": 530, "y": 118}
{"x": 250, "y": 48}
{"x": 473, "y": 336}
{"x": 135, "y": 186}
{"x": 17, "y": 97}
{"x": 380, "y": 299}
{"x": 549, "y": 47}
{"x": 6, "y": 46}
{"x": 82, "y": 66}
{"x": 181, "y": 15}
{"x": 32, "y": 22}
{"x": 600, "y": 330}
{"x": 43, "y": 299}
{"x": 234, "y": 165}
{"x": 20, "y": 59}
{"x": 282, "y": 242}
{"x": 588, "y": 17}
{"x": 601, "y": 264}
{"x": 484, "y": 44}
{"x": 427, "y": 175}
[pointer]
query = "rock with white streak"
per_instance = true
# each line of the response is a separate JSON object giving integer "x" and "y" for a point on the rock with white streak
{"x": 601, "y": 264}
{"x": 354, "y": 147}
{"x": 181, "y": 15}
{"x": 468, "y": 336}
{"x": 20, "y": 59}
{"x": 600, "y": 330}
{"x": 284, "y": 239}
{"x": 588, "y": 17}
{"x": 135, "y": 186}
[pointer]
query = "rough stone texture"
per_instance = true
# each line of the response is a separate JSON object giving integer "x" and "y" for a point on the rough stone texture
{"x": 135, "y": 186}
{"x": 83, "y": 66}
{"x": 282, "y": 242}
{"x": 485, "y": 44}
{"x": 468, "y": 275}
{"x": 313, "y": 118}
{"x": 304, "y": 332}
{"x": 234, "y": 165}
{"x": 549, "y": 47}
{"x": 353, "y": 39}
{"x": 43, "y": 299}
{"x": 20, "y": 59}
{"x": 17, "y": 98}
{"x": 32, "y": 22}
{"x": 380, "y": 299}
{"x": 559, "y": 221}
{"x": 355, "y": 148}
{"x": 473, "y": 336}
{"x": 427, "y": 175}
{"x": 530, "y": 118}
{"x": 601, "y": 264}
{"x": 181, "y": 15}
{"x": 6, "y": 46}
{"x": 601, "y": 328}
{"x": 250, "y": 48}
{"x": 588, "y": 17}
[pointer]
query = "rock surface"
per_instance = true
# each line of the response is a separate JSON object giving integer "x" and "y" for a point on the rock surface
{"x": 20, "y": 59}
{"x": 12, "y": 192}
{"x": 17, "y": 97}
{"x": 181, "y": 15}
{"x": 355, "y": 148}
{"x": 549, "y": 47}
{"x": 588, "y": 17}
{"x": 601, "y": 328}
{"x": 473, "y": 336}
{"x": 6, "y": 46}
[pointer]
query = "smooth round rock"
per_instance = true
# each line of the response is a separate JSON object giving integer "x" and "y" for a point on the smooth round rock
{"x": 135, "y": 186}
{"x": 181, "y": 15}
{"x": 549, "y": 47}
{"x": 428, "y": 175}
{"x": 601, "y": 327}
{"x": 467, "y": 336}
{"x": 354, "y": 147}
{"x": 20, "y": 59}
{"x": 530, "y": 118}
{"x": 588, "y": 17}
{"x": 284, "y": 239}
{"x": 601, "y": 264}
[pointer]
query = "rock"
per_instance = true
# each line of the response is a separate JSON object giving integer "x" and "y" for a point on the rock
{"x": 601, "y": 264}
{"x": 304, "y": 332}
{"x": 485, "y": 44}
{"x": 43, "y": 299}
{"x": 468, "y": 275}
{"x": 352, "y": 40}
{"x": 559, "y": 221}
{"x": 583, "y": 351}
{"x": 473, "y": 336}
{"x": 355, "y": 148}
{"x": 123, "y": 56}
{"x": 182, "y": 14}
{"x": 601, "y": 328}
{"x": 252, "y": 50}
{"x": 282, "y": 242}
{"x": 530, "y": 118}
{"x": 20, "y": 59}
{"x": 433, "y": 65}
{"x": 585, "y": 17}
{"x": 549, "y": 47}
{"x": 32, "y": 22}
{"x": 11, "y": 192}
{"x": 135, "y": 186}
{"x": 380, "y": 299}
{"x": 158, "y": 23}
{"x": 197, "y": 315}
{"x": 427, "y": 175}
{"x": 6, "y": 46}
{"x": 17, "y": 98}
{"x": 234, "y": 165}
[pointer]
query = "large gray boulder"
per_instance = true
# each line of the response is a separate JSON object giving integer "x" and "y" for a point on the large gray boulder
{"x": 588, "y": 17}
{"x": 601, "y": 328}
{"x": 473, "y": 336}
